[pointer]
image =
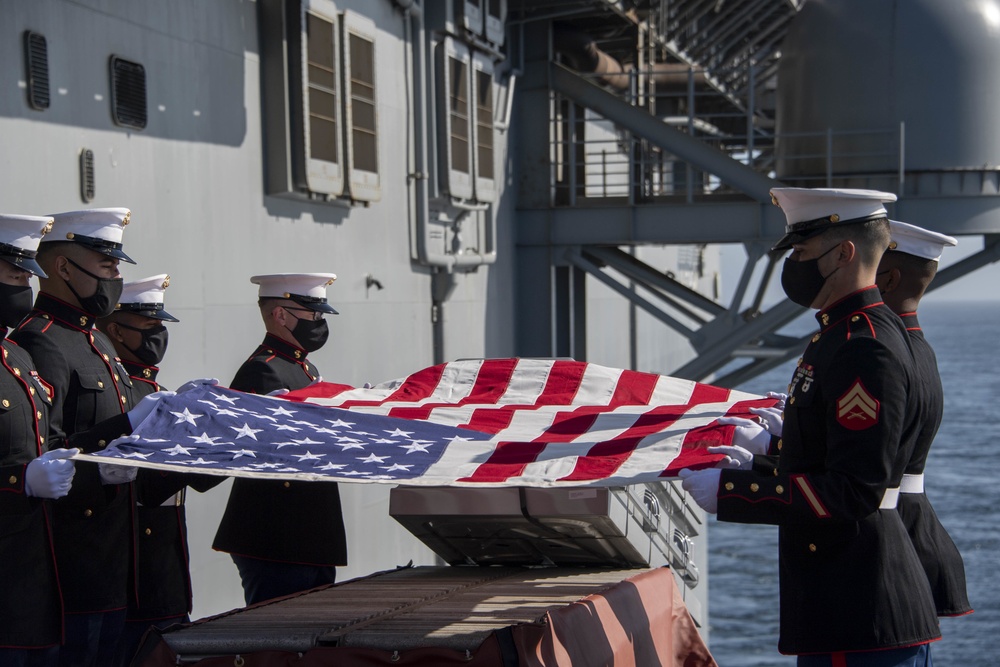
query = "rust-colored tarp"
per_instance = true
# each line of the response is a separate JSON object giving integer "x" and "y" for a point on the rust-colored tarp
{"x": 638, "y": 621}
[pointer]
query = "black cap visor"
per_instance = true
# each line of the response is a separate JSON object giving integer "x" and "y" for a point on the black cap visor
{"x": 313, "y": 303}
{"x": 154, "y": 310}
{"x": 803, "y": 231}
{"x": 103, "y": 246}
{"x": 24, "y": 263}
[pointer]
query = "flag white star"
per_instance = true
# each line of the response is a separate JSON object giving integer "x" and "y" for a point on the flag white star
{"x": 137, "y": 455}
{"x": 242, "y": 452}
{"x": 260, "y": 416}
{"x": 399, "y": 434}
{"x": 282, "y": 412}
{"x": 415, "y": 447}
{"x": 300, "y": 422}
{"x": 265, "y": 466}
{"x": 197, "y": 462}
{"x": 363, "y": 433}
{"x": 223, "y": 397}
{"x": 307, "y": 441}
{"x": 204, "y": 439}
{"x": 354, "y": 473}
{"x": 178, "y": 449}
{"x": 224, "y": 411}
{"x": 396, "y": 466}
{"x": 458, "y": 438}
{"x": 202, "y": 400}
{"x": 373, "y": 459}
{"x": 330, "y": 466}
{"x": 279, "y": 445}
{"x": 286, "y": 427}
{"x": 385, "y": 441}
{"x": 246, "y": 431}
{"x": 326, "y": 431}
{"x": 308, "y": 456}
{"x": 186, "y": 417}
{"x": 339, "y": 422}
{"x": 349, "y": 445}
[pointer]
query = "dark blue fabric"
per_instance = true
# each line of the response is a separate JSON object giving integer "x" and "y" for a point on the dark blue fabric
{"x": 264, "y": 579}
{"x": 91, "y": 639}
{"x": 913, "y": 656}
{"x": 36, "y": 657}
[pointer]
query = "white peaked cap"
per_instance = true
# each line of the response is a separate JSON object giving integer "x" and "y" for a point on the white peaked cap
{"x": 918, "y": 241}
{"x": 145, "y": 297}
{"x": 811, "y": 211}
{"x": 98, "y": 229}
{"x": 306, "y": 289}
{"x": 19, "y": 238}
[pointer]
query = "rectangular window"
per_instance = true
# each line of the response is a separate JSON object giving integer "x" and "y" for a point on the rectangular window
{"x": 455, "y": 121}
{"x": 361, "y": 114}
{"x": 322, "y": 83}
{"x": 36, "y": 65}
{"x": 470, "y": 15}
{"x": 485, "y": 180}
{"x": 496, "y": 18}
{"x": 128, "y": 93}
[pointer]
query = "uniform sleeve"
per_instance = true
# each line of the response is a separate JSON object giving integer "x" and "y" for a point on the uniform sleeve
{"x": 52, "y": 368}
{"x": 865, "y": 404}
{"x": 257, "y": 377}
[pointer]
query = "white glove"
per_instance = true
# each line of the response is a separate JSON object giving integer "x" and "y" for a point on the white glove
{"x": 277, "y": 392}
{"x": 51, "y": 474}
{"x": 749, "y": 435}
{"x": 773, "y": 419}
{"x": 703, "y": 485}
{"x": 781, "y": 398}
{"x": 145, "y": 407}
{"x": 367, "y": 385}
{"x": 737, "y": 458}
{"x": 116, "y": 474}
{"x": 200, "y": 382}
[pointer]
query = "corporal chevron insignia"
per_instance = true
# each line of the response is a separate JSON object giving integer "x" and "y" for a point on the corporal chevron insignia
{"x": 857, "y": 409}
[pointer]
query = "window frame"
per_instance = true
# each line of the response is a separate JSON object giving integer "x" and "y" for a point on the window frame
{"x": 362, "y": 184}
{"x": 485, "y": 189}
{"x": 321, "y": 176}
{"x": 458, "y": 183}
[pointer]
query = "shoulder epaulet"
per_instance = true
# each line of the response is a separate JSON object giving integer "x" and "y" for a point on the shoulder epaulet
{"x": 860, "y": 324}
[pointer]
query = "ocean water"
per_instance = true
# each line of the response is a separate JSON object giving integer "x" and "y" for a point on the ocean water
{"x": 962, "y": 481}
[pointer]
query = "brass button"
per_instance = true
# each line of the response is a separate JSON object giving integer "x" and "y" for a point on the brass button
{"x": 755, "y": 487}
{"x": 146, "y": 372}
{"x": 13, "y": 479}
{"x": 800, "y": 361}
{"x": 812, "y": 547}
{"x": 779, "y": 488}
{"x": 825, "y": 319}
{"x": 38, "y": 414}
{"x": 101, "y": 443}
{"x": 100, "y": 383}
{"x": 42, "y": 440}
{"x": 149, "y": 531}
{"x": 775, "y": 472}
{"x": 298, "y": 355}
{"x": 83, "y": 321}
{"x": 46, "y": 317}
{"x": 123, "y": 399}
{"x": 780, "y": 442}
{"x": 17, "y": 371}
{"x": 815, "y": 338}
{"x": 791, "y": 401}
{"x": 287, "y": 484}
{"x": 88, "y": 513}
{"x": 107, "y": 358}
{"x": 6, "y": 403}
{"x": 855, "y": 318}
{"x": 31, "y": 390}
{"x": 729, "y": 486}
{"x": 270, "y": 352}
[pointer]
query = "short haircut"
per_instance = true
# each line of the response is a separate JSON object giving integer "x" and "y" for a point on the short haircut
{"x": 870, "y": 238}
{"x": 915, "y": 273}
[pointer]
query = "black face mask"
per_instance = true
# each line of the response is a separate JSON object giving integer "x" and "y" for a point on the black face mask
{"x": 104, "y": 299}
{"x": 153, "y": 345}
{"x": 15, "y": 304}
{"x": 802, "y": 281}
{"x": 311, "y": 334}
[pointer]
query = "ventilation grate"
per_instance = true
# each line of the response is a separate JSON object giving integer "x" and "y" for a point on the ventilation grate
{"x": 128, "y": 93}
{"x": 36, "y": 61}
{"x": 87, "y": 175}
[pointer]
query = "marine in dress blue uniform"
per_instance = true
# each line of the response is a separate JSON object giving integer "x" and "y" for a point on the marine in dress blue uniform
{"x": 92, "y": 525}
{"x": 284, "y": 536}
{"x": 904, "y": 273}
{"x": 161, "y": 579}
{"x": 30, "y": 604}
{"x": 852, "y": 590}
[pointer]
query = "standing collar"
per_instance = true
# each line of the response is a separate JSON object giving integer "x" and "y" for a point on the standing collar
{"x": 284, "y": 348}
{"x": 140, "y": 371}
{"x": 910, "y": 321}
{"x": 57, "y": 309}
{"x": 860, "y": 300}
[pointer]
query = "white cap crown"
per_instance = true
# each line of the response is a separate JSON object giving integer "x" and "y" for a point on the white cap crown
{"x": 307, "y": 289}
{"x": 98, "y": 229}
{"x": 918, "y": 241}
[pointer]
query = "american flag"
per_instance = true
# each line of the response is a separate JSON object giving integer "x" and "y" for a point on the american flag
{"x": 494, "y": 422}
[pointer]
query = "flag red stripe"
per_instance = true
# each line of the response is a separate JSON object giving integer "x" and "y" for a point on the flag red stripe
{"x": 491, "y": 383}
{"x": 605, "y": 458}
{"x": 561, "y": 386}
{"x": 697, "y": 440}
{"x": 416, "y": 387}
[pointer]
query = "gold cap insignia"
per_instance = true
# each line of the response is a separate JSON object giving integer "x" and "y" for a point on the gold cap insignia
{"x": 329, "y": 282}
{"x": 166, "y": 283}
{"x": 892, "y": 245}
{"x": 834, "y": 218}
{"x": 287, "y": 295}
{"x": 774, "y": 200}
{"x": 47, "y": 228}
{"x": 70, "y": 235}
{"x": 127, "y": 218}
